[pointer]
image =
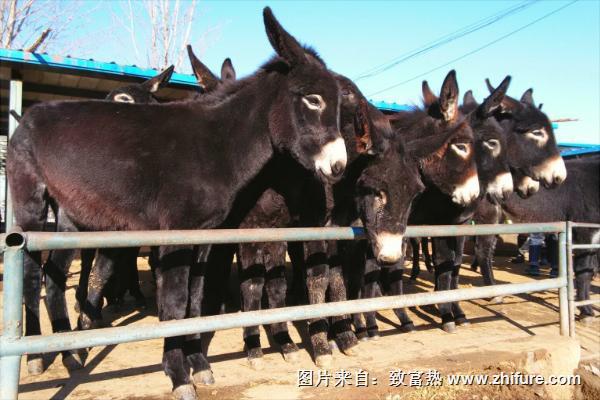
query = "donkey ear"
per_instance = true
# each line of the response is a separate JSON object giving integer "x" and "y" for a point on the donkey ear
{"x": 489, "y": 85}
{"x": 468, "y": 98}
{"x": 449, "y": 97}
{"x": 283, "y": 43}
{"x": 227, "y": 71}
{"x": 428, "y": 97}
{"x": 494, "y": 100}
{"x": 206, "y": 79}
{"x": 153, "y": 84}
{"x": 527, "y": 97}
{"x": 362, "y": 128}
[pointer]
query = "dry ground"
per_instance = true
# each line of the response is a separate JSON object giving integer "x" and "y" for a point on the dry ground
{"x": 498, "y": 335}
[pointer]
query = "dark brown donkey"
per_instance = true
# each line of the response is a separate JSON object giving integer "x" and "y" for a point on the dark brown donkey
{"x": 172, "y": 166}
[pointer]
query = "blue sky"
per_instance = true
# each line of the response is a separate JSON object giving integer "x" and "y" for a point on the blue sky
{"x": 558, "y": 56}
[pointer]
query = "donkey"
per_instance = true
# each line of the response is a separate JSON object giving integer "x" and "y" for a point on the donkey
{"x": 552, "y": 205}
{"x": 55, "y": 278}
{"x": 131, "y": 179}
{"x": 126, "y": 276}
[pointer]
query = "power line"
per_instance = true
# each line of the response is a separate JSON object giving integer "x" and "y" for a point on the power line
{"x": 450, "y": 37}
{"x": 476, "y": 50}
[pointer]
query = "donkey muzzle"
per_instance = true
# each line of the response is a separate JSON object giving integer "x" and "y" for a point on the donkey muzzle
{"x": 552, "y": 172}
{"x": 465, "y": 193}
{"x": 331, "y": 160}
{"x": 388, "y": 247}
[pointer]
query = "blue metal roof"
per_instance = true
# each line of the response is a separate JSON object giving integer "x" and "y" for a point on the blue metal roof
{"x": 108, "y": 68}
{"x": 385, "y": 106}
{"x": 577, "y": 149}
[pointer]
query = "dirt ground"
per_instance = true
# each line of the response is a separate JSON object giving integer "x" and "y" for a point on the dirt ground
{"x": 498, "y": 339}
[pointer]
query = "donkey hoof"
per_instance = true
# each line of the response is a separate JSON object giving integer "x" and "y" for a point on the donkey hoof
{"x": 204, "y": 377}
{"x": 462, "y": 321}
{"x": 35, "y": 366}
{"x": 85, "y": 322}
{"x": 256, "y": 363}
{"x": 291, "y": 356}
{"x": 407, "y": 327}
{"x": 324, "y": 361}
{"x": 184, "y": 392}
{"x": 72, "y": 361}
{"x": 586, "y": 320}
{"x": 449, "y": 327}
{"x": 290, "y": 352}
{"x": 497, "y": 300}
{"x": 347, "y": 343}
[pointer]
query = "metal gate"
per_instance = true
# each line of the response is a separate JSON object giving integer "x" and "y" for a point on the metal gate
{"x": 13, "y": 345}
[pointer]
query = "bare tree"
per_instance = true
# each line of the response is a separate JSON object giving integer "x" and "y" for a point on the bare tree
{"x": 33, "y": 24}
{"x": 159, "y": 30}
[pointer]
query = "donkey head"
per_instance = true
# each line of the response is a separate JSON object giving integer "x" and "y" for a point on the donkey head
{"x": 532, "y": 145}
{"x": 304, "y": 113}
{"x": 385, "y": 191}
{"x": 443, "y": 142}
{"x": 384, "y": 182}
{"x": 141, "y": 93}
{"x": 491, "y": 153}
{"x": 206, "y": 79}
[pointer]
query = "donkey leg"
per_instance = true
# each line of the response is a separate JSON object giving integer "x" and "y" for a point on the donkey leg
{"x": 396, "y": 271}
{"x": 276, "y": 288}
{"x": 134, "y": 279}
{"x": 416, "y": 268}
{"x": 426, "y": 255}
{"x": 372, "y": 276}
{"x": 201, "y": 372}
{"x": 341, "y": 325}
{"x": 172, "y": 287}
{"x": 583, "y": 282}
{"x": 457, "y": 311}
{"x": 32, "y": 286}
{"x": 87, "y": 260}
{"x": 91, "y": 313}
{"x": 56, "y": 269}
{"x": 252, "y": 279}
{"x": 317, "y": 281}
{"x": 444, "y": 265}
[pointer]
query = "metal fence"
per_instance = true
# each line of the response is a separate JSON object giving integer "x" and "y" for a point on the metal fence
{"x": 570, "y": 269}
{"x": 13, "y": 345}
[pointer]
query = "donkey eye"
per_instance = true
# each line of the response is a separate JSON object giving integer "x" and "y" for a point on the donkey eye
{"x": 538, "y": 133}
{"x": 314, "y": 102}
{"x": 538, "y": 136}
{"x": 462, "y": 149}
{"x": 381, "y": 198}
{"x": 492, "y": 144}
{"x": 123, "y": 98}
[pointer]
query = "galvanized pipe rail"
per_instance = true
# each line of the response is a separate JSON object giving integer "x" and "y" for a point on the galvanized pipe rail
{"x": 570, "y": 270}
{"x": 13, "y": 345}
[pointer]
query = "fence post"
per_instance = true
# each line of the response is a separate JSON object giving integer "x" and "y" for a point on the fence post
{"x": 12, "y": 314}
{"x": 562, "y": 274}
{"x": 570, "y": 279}
{"x": 15, "y": 103}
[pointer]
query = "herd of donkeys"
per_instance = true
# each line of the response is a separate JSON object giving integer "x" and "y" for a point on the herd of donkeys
{"x": 294, "y": 144}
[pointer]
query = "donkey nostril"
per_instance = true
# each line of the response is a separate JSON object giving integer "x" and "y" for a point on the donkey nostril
{"x": 558, "y": 180}
{"x": 337, "y": 168}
